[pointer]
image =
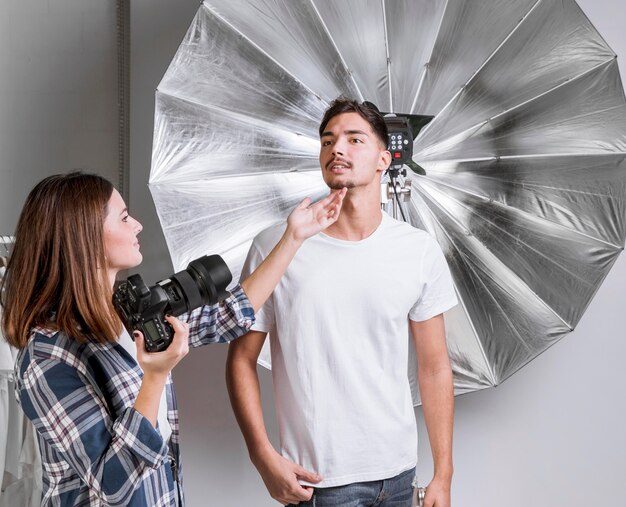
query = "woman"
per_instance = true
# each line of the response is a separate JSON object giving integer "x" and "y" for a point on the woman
{"x": 104, "y": 411}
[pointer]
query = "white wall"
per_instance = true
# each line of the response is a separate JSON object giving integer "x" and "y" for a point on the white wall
{"x": 552, "y": 435}
{"x": 58, "y": 94}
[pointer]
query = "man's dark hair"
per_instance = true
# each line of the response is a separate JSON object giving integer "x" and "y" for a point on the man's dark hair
{"x": 369, "y": 114}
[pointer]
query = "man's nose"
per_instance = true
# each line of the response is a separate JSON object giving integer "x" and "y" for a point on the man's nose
{"x": 338, "y": 148}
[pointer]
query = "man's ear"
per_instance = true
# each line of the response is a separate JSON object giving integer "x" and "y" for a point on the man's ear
{"x": 384, "y": 162}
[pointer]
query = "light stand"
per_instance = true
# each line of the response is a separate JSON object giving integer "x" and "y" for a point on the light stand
{"x": 396, "y": 190}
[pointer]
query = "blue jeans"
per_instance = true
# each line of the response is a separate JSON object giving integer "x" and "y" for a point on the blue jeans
{"x": 394, "y": 492}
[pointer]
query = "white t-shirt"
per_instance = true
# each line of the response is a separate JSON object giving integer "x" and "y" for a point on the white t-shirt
{"x": 338, "y": 335}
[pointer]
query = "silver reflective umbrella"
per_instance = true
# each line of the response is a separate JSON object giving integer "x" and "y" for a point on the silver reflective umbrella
{"x": 525, "y": 180}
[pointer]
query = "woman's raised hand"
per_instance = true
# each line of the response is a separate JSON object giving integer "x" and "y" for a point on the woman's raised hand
{"x": 308, "y": 219}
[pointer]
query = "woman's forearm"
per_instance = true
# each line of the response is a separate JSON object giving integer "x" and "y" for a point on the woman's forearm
{"x": 149, "y": 396}
{"x": 304, "y": 221}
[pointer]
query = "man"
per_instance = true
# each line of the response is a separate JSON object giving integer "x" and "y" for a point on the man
{"x": 339, "y": 321}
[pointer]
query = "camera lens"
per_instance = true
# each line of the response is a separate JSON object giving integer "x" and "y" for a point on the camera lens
{"x": 204, "y": 282}
{"x": 212, "y": 276}
{"x": 181, "y": 293}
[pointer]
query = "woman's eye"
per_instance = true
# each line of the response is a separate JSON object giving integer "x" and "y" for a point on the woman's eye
{"x": 356, "y": 140}
{"x": 125, "y": 218}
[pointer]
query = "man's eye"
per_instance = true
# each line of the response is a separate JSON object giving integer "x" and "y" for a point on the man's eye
{"x": 357, "y": 140}
{"x": 325, "y": 143}
{"x": 125, "y": 218}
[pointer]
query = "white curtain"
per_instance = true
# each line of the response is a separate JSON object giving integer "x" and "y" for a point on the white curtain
{"x": 20, "y": 460}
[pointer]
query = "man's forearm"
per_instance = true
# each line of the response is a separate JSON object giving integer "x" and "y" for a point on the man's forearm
{"x": 245, "y": 396}
{"x": 437, "y": 393}
{"x": 279, "y": 474}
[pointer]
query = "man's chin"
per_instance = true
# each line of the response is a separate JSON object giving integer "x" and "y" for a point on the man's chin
{"x": 337, "y": 185}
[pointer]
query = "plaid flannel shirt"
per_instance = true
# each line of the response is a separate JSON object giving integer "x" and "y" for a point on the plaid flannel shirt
{"x": 96, "y": 448}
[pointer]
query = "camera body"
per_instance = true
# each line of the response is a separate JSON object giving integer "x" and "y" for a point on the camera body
{"x": 143, "y": 308}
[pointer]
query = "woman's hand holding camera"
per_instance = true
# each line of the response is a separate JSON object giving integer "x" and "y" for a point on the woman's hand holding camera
{"x": 161, "y": 363}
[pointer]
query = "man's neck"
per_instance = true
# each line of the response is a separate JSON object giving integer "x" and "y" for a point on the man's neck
{"x": 360, "y": 216}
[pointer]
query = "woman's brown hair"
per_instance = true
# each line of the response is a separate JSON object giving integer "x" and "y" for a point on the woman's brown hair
{"x": 56, "y": 277}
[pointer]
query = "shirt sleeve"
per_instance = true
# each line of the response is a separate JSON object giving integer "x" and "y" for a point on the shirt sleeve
{"x": 110, "y": 456}
{"x": 265, "y": 315}
{"x": 220, "y": 323}
{"x": 438, "y": 294}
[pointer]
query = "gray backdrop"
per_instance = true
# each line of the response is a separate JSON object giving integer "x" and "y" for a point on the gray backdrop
{"x": 552, "y": 435}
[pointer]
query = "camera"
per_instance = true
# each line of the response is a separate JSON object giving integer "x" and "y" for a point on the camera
{"x": 143, "y": 308}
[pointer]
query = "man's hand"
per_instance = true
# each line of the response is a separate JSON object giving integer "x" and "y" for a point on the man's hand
{"x": 308, "y": 219}
{"x": 437, "y": 493}
{"x": 281, "y": 479}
